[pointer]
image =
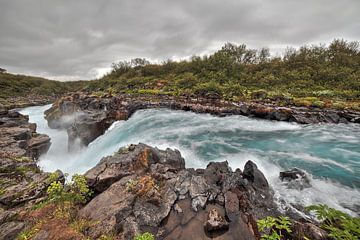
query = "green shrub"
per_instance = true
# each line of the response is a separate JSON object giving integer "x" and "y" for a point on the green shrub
{"x": 274, "y": 228}
{"x": 339, "y": 225}
{"x": 56, "y": 192}
{"x": 77, "y": 191}
{"x": 208, "y": 89}
{"x": 319, "y": 104}
{"x": 144, "y": 236}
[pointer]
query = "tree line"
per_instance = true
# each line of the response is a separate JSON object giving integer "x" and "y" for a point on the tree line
{"x": 235, "y": 72}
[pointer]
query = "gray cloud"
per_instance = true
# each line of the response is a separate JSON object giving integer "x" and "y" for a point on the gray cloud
{"x": 69, "y": 40}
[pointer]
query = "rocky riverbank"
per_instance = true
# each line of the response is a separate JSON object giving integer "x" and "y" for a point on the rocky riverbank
{"x": 21, "y": 102}
{"x": 22, "y": 183}
{"x": 143, "y": 189}
{"x": 86, "y": 116}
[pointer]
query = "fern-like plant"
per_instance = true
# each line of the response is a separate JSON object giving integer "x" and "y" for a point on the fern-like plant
{"x": 339, "y": 225}
{"x": 274, "y": 228}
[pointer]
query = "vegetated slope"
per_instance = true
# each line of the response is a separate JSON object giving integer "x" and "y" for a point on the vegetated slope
{"x": 316, "y": 75}
{"x": 21, "y": 86}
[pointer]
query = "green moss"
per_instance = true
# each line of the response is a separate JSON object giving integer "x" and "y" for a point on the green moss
{"x": 22, "y": 159}
{"x": 22, "y": 170}
{"x": 2, "y": 191}
{"x": 144, "y": 236}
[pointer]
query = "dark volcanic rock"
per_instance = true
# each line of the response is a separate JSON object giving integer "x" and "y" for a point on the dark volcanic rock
{"x": 130, "y": 161}
{"x": 292, "y": 174}
{"x": 141, "y": 188}
{"x": 255, "y": 176}
{"x": 295, "y": 178}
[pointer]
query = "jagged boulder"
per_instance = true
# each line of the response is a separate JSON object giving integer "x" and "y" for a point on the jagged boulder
{"x": 255, "y": 176}
{"x": 132, "y": 160}
{"x": 295, "y": 178}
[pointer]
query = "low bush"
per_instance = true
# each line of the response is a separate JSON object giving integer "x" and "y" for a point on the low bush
{"x": 272, "y": 228}
{"x": 144, "y": 236}
{"x": 339, "y": 225}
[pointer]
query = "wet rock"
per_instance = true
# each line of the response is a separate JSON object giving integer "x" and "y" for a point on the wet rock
{"x": 215, "y": 222}
{"x": 255, "y": 176}
{"x": 281, "y": 114}
{"x": 37, "y": 145}
{"x": 355, "y": 120}
{"x": 87, "y": 127}
{"x": 295, "y": 179}
{"x": 292, "y": 174}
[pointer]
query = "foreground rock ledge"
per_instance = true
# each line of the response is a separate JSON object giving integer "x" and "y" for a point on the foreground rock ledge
{"x": 86, "y": 116}
{"x": 22, "y": 183}
{"x": 141, "y": 188}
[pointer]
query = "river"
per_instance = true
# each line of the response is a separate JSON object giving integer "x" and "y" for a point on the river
{"x": 330, "y": 154}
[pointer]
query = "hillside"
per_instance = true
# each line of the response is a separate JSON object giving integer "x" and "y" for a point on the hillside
{"x": 18, "y": 90}
{"x": 317, "y": 75}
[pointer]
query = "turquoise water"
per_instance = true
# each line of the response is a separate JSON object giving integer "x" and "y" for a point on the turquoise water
{"x": 330, "y": 154}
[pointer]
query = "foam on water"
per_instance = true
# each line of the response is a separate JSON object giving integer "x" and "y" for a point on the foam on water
{"x": 328, "y": 153}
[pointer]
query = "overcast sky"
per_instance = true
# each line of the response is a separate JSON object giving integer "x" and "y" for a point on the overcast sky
{"x": 79, "y": 39}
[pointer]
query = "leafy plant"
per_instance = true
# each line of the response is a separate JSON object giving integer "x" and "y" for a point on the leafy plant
{"x": 339, "y": 225}
{"x": 274, "y": 228}
{"x": 56, "y": 192}
{"x": 144, "y": 236}
{"x": 77, "y": 191}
